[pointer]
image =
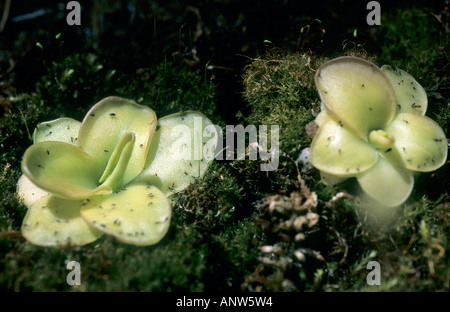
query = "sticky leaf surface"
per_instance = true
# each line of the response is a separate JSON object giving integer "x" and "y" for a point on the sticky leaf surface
{"x": 410, "y": 96}
{"x": 28, "y": 191}
{"x": 138, "y": 215}
{"x": 108, "y": 122}
{"x": 419, "y": 141}
{"x": 357, "y": 92}
{"x": 63, "y": 169}
{"x": 61, "y": 130}
{"x": 54, "y": 221}
{"x": 182, "y": 148}
{"x": 338, "y": 151}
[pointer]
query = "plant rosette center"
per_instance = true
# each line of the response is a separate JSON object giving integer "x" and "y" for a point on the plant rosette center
{"x": 380, "y": 139}
{"x": 373, "y": 127}
{"x": 112, "y": 173}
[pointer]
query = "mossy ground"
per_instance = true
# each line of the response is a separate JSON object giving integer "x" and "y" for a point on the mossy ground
{"x": 225, "y": 222}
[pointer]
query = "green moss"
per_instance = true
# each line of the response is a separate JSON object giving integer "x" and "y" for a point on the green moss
{"x": 280, "y": 90}
{"x": 11, "y": 211}
{"x": 73, "y": 84}
{"x": 212, "y": 202}
{"x": 172, "y": 88}
{"x": 21, "y": 114}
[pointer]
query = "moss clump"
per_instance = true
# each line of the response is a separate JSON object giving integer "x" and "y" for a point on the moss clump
{"x": 213, "y": 202}
{"x": 172, "y": 88}
{"x": 21, "y": 113}
{"x": 11, "y": 211}
{"x": 73, "y": 84}
{"x": 280, "y": 90}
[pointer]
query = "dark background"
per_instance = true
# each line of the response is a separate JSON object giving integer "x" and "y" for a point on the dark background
{"x": 129, "y": 35}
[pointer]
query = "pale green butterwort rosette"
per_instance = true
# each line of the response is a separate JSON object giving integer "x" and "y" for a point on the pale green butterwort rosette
{"x": 103, "y": 175}
{"x": 373, "y": 128}
{"x": 170, "y": 167}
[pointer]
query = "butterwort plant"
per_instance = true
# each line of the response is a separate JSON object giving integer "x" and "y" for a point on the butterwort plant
{"x": 113, "y": 173}
{"x": 373, "y": 127}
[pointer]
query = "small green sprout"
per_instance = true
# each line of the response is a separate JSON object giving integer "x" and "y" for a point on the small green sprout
{"x": 112, "y": 173}
{"x": 373, "y": 127}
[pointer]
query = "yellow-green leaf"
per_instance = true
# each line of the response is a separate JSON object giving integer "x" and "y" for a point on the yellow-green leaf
{"x": 336, "y": 150}
{"x": 419, "y": 141}
{"x": 63, "y": 169}
{"x": 113, "y": 175}
{"x": 410, "y": 96}
{"x": 387, "y": 184}
{"x": 54, "y": 221}
{"x": 107, "y": 122}
{"x": 357, "y": 93}
{"x": 28, "y": 191}
{"x": 138, "y": 214}
{"x": 182, "y": 148}
{"x": 62, "y": 130}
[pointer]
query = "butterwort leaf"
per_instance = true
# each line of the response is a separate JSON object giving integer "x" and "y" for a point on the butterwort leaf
{"x": 113, "y": 175}
{"x": 409, "y": 94}
{"x": 419, "y": 140}
{"x": 28, "y": 191}
{"x": 54, "y": 221}
{"x": 138, "y": 214}
{"x": 62, "y": 130}
{"x": 107, "y": 122}
{"x": 388, "y": 184}
{"x": 337, "y": 151}
{"x": 182, "y": 148}
{"x": 63, "y": 169}
{"x": 357, "y": 93}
